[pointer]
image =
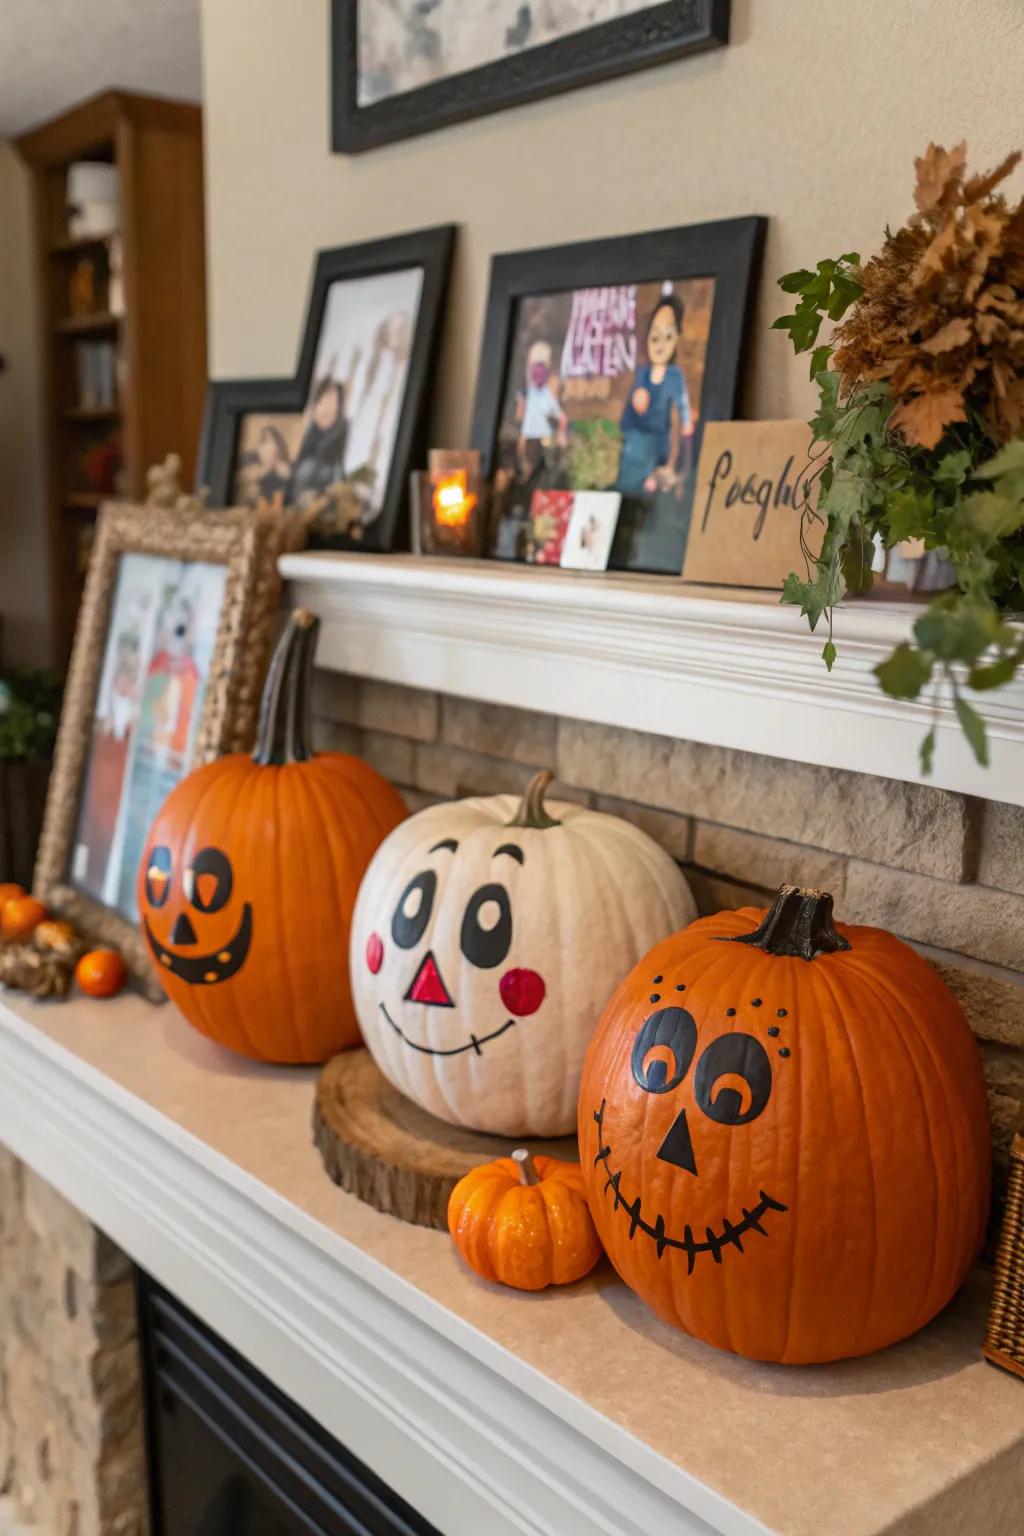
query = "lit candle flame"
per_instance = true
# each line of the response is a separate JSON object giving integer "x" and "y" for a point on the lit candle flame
{"x": 453, "y": 501}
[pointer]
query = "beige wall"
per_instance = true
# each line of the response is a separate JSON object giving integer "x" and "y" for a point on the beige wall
{"x": 24, "y": 579}
{"x": 812, "y": 116}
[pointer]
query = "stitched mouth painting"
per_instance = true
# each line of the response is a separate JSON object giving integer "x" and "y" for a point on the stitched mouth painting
{"x": 783, "y": 1134}
{"x": 478, "y": 961}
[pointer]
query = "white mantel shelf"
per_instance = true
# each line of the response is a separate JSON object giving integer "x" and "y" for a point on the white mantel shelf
{"x": 571, "y": 1413}
{"x": 732, "y": 669}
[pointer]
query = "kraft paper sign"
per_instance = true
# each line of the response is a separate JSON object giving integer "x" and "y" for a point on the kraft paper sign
{"x": 754, "y": 481}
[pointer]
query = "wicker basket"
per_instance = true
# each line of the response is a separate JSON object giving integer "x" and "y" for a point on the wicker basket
{"x": 1004, "y": 1341}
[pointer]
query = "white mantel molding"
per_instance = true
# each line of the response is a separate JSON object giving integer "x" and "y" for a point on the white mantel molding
{"x": 474, "y": 1438}
{"x": 649, "y": 653}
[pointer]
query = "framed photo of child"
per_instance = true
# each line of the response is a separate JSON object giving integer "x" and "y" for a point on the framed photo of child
{"x": 337, "y": 441}
{"x": 600, "y": 364}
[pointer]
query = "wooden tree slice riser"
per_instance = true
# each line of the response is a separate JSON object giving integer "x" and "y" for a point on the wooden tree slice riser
{"x": 392, "y": 1154}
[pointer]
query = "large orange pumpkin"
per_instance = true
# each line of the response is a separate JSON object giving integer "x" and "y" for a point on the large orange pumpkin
{"x": 250, "y": 876}
{"x": 784, "y": 1134}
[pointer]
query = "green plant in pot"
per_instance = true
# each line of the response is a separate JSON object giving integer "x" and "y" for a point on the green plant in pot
{"x": 922, "y": 408}
{"x": 29, "y": 715}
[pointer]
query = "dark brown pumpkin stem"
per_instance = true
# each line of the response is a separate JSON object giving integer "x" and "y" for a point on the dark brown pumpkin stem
{"x": 798, "y": 923}
{"x": 531, "y": 812}
{"x": 284, "y": 734}
{"x": 524, "y": 1162}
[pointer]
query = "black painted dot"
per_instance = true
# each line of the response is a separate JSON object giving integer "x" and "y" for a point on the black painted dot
{"x": 657, "y": 979}
{"x": 655, "y": 997}
{"x": 680, "y": 986}
{"x": 784, "y": 1051}
{"x": 780, "y": 1013}
{"x": 774, "y": 1029}
{"x": 755, "y": 1002}
{"x": 730, "y": 1013}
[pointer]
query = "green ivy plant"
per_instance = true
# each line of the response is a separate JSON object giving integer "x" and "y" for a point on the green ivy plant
{"x": 922, "y": 445}
{"x": 29, "y": 716}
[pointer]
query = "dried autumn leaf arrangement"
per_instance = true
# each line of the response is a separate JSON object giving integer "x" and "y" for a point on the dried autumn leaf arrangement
{"x": 940, "y": 317}
{"x": 922, "y": 405}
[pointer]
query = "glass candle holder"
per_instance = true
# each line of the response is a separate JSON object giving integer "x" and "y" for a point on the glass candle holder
{"x": 448, "y": 505}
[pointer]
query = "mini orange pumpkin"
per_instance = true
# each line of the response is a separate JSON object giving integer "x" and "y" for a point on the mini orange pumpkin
{"x": 524, "y": 1221}
{"x": 20, "y": 916}
{"x": 253, "y": 863}
{"x": 100, "y": 973}
{"x": 784, "y": 1134}
{"x": 9, "y": 891}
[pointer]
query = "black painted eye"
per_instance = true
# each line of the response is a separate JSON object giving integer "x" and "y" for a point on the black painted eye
{"x": 487, "y": 927}
{"x": 737, "y": 1056}
{"x": 412, "y": 914}
{"x": 674, "y": 1031}
{"x": 158, "y": 876}
{"x": 209, "y": 880}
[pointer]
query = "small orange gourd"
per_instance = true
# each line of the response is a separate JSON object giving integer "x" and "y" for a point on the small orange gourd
{"x": 784, "y": 1134}
{"x": 100, "y": 973}
{"x": 9, "y": 890}
{"x": 252, "y": 865}
{"x": 20, "y": 916}
{"x": 524, "y": 1221}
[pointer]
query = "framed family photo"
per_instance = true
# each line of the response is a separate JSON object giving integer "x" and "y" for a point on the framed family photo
{"x": 173, "y": 638}
{"x": 600, "y": 364}
{"x": 404, "y": 67}
{"x": 237, "y": 463}
{"x": 337, "y": 441}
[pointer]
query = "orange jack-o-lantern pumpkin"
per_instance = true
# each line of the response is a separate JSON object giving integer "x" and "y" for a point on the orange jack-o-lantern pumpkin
{"x": 487, "y": 939}
{"x": 784, "y": 1134}
{"x": 250, "y": 876}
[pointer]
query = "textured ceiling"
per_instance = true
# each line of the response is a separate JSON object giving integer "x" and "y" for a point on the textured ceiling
{"x": 55, "y": 52}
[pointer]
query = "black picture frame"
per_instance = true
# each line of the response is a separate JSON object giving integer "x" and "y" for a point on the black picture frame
{"x": 229, "y": 401}
{"x": 651, "y": 36}
{"x": 728, "y": 250}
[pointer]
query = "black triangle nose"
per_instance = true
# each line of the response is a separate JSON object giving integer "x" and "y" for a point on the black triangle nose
{"x": 183, "y": 933}
{"x": 677, "y": 1148}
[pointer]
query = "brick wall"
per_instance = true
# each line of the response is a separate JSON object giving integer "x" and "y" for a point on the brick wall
{"x": 941, "y": 870}
{"x": 71, "y": 1449}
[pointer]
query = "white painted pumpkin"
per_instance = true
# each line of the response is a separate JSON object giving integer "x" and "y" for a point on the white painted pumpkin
{"x": 487, "y": 938}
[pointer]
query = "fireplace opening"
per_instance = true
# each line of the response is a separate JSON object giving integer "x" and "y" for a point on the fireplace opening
{"x": 230, "y": 1455}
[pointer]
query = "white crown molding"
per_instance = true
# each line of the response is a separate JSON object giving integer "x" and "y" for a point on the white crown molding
{"x": 474, "y": 1438}
{"x": 649, "y": 653}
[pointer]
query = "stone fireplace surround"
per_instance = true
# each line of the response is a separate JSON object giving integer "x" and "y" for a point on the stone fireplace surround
{"x": 151, "y": 1135}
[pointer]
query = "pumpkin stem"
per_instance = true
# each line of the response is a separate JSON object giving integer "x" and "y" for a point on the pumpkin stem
{"x": 798, "y": 923}
{"x": 524, "y": 1162}
{"x": 284, "y": 733}
{"x": 531, "y": 812}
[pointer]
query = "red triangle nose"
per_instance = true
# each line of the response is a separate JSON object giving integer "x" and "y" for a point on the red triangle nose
{"x": 427, "y": 985}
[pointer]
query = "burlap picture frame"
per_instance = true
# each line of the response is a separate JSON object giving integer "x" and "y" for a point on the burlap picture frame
{"x": 247, "y": 543}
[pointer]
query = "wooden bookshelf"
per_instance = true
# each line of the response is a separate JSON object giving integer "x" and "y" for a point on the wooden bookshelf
{"x": 144, "y": 398}
{"x": 85, "y": 501}
{"x": 92, "y": 413}
{"x": 87, "y": 325}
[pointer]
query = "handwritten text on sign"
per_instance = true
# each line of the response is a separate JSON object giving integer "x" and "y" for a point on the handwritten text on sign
{"x": 755, "y": 480}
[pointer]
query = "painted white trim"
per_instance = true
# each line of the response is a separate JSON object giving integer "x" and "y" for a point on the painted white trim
{"x": 649, "y": 653}
{"x": 480, "y": 1442}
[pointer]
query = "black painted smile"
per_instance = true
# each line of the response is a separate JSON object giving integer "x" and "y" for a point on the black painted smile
{"x": 731, "y": 1233}
{"x": 206, "y": 970}
{"x": 474, "y": 1042}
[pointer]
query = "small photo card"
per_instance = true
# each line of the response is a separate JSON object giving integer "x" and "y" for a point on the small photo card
{"x": 755, "y": 479}
{"x": 588, "y": 538}
{"x": 550, "y": 512}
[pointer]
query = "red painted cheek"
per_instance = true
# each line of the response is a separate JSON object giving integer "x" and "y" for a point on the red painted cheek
{"x": 374, "y": 952}
{"x": 522, "y": 992}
